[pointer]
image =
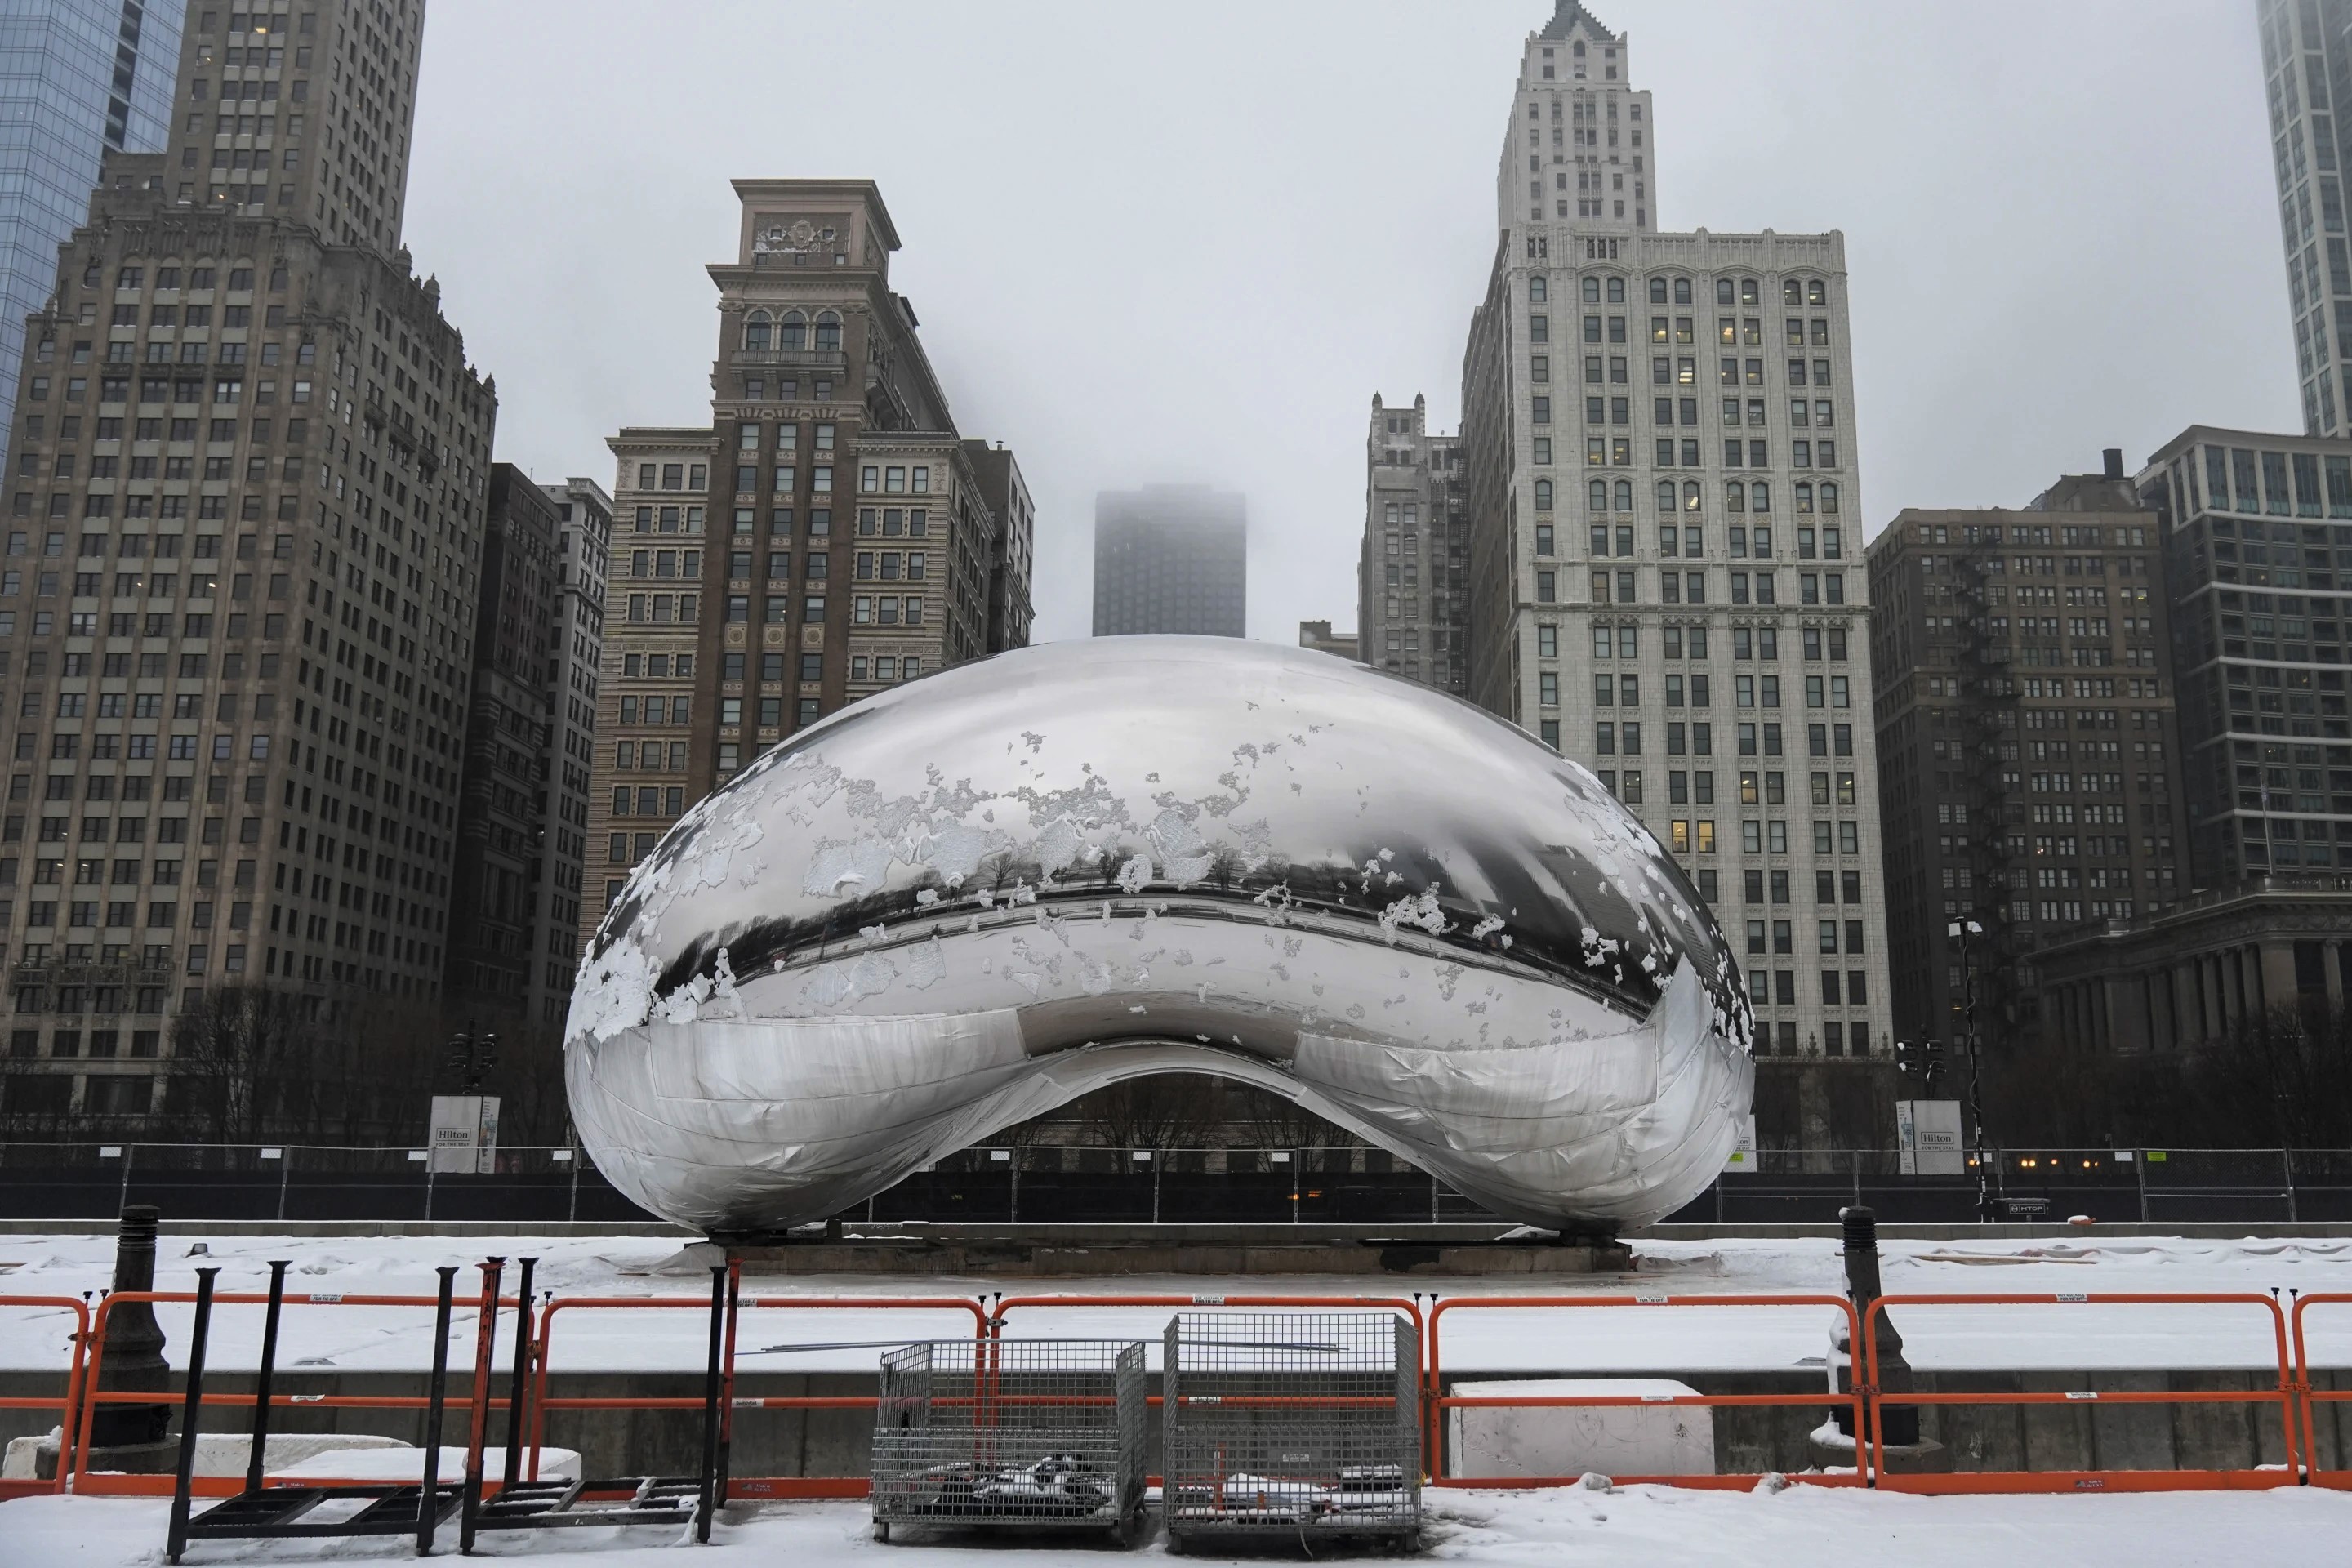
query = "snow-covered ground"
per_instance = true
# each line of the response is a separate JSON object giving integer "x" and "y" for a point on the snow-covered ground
{"x": 1565, "y": 1529}
{"x": 1616, "y": 1340}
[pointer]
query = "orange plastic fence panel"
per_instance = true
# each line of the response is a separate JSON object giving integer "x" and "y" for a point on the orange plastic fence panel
{"x": 1411, "y": 1308}
{"x": 69, "y": 1407}
{"x": 541, "y": 1402}
{"x": 2195, "y": 1480}
{"x": 1438, "y": 1401}
{"x": 2309, "y": 1397}
{"x": 86, "y": 1481}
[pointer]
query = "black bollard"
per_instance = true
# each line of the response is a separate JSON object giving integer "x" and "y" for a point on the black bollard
{"x": 1862, "y": 1283}
{"x": 134, "y": 1343}
{"x": 264, "y": 1378}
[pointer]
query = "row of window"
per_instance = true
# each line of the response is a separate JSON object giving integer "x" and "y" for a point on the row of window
{"x": 1667, "y": 372}
{"x": 792, "y": 332}
{"x": 1690, "y": 588}
{"x": 631, "y": 756}
{"x": 1610, "y": 690}
{"x": 1622, "y": 639}
{"x": 1820, "y": 740}
{"x": 1794, "y": 291}
{"x": 113, "y": 388}
{"x": 66, "y": 1045}
{"x": 1741, "y": 542}
{"x": 1684, "y": 330}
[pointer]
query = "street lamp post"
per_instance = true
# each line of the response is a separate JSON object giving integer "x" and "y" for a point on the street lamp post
{"x": 1964, "y": 932}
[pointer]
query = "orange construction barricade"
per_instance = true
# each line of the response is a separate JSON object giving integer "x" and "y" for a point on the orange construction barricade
{"x": 2251, "y": 1478}
{"x": 1438, "y": 1400}
{"x": 68, "y": 1404}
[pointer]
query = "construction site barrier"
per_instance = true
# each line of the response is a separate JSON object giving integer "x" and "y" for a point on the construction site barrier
{"x": 731, "y": 1486}
{"x": 86, "y": 1481}
{"x": 2247, "y": 1478}
{"x": 1438, "y": 1401}
{"x": 2338, "y": 1476}
{"x": 68, "y": 1405}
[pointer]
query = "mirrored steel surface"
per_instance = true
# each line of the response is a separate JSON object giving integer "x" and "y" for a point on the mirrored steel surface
{"x": 962, "y": 902}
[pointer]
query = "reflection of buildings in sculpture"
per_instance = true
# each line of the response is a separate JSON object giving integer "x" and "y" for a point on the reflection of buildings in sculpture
{"x": 1666, "y": 555}
{"x": 1320, "y": 637}
{"x": 1171, "y": 559}
{"x": 1412, "y": 567}
{"x": 2026, "y": 735}
{"x": 1087, "y": 862}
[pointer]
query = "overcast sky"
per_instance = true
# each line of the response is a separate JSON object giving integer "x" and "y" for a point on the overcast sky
{"x": 1188, "y": 241}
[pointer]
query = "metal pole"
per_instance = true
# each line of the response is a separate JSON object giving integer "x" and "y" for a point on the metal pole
{"x": 727, "y": 1384}
{"x": 572, "y": 1213}
{"x": 264, "y": 1378}
{"x": 710, "y": 1472}
{"x": 428, "y": 1181}
{"x": 2286, "y": 1163}
{"x": 2140, "y": 1175}
{"x": 1156, "y": 1163}
{"x": 1297, "y": 1183}
{"x": 122, "y": 1199}
{"x": 285, "y": 1174}
{"x": 428, "y": 1499}
{"x": 1015, "y": 1215}
{"x": 519, "y": 1384}
{"x": 191, "y": 1400}
{"x": 477, "y": 1397}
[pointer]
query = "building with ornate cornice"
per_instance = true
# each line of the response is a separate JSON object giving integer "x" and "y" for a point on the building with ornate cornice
{"x": 827, "y": 535}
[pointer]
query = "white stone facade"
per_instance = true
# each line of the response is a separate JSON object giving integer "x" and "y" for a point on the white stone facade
{"x": 1659, "y": 431}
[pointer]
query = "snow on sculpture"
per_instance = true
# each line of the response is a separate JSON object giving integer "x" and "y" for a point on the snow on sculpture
{"x": 962, "y": 902}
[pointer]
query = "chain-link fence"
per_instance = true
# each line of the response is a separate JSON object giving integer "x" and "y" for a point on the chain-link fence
{"x": 1051, "y": 1184}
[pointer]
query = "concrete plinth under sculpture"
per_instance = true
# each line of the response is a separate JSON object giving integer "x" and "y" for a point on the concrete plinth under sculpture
{"x": 965, "y": 902}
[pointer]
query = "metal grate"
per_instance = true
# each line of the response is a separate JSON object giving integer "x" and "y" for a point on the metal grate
{"x": 1011, "y": 1432}
{"x": 1287, "y": 1423}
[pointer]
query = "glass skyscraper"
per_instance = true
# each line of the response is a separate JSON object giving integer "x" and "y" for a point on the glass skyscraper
{"x": 77, "y": 78}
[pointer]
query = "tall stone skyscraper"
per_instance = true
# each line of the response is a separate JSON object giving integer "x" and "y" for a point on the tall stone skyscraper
{"x": 78, "y": 79}
{"x": 1666, "y": 556}
{"x": 827, "y": 535}
{"x": 2307, "y": 62}
{"x": 584, "y": 521}
{"x": 1172, "y": 558}
{"x": 1412, "y": 574}
{"x": 245, "y": 516}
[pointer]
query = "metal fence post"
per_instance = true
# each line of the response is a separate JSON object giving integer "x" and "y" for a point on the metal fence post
{"x": 284, "y": 1175}
{"x": 1158, "y": 1160}
{"x": 2139, "y": 1173}
{"x": 572, "y": 1210}
{"x": 122, "y": 1199}
{"x": 2287, "y": 1165}
{"x": 1016, "y": 1214}
{"x": 428, "y": 1184}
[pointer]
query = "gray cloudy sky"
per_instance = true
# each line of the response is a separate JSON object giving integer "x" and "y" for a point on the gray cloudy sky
{"x": 1188, "y": 241}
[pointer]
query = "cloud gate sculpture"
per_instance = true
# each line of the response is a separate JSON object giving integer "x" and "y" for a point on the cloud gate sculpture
{"x": 965, "y": 902}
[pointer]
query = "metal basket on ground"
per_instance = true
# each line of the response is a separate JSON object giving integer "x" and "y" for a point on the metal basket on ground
{"x": 1023, "y": 1434}
{"x": 1300, "y": 1424}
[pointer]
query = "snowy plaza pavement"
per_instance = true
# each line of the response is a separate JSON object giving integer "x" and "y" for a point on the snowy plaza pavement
{"x": 1654, "y": 1527}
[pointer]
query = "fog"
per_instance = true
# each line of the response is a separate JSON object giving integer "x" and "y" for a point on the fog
{"x": 1189, "y": 242}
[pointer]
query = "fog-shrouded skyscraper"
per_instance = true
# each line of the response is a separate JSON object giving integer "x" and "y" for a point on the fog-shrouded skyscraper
{"x": 2306, "y": 64}
{"x": 1172, "y": 558}
{"x": 1413, "y": 571}
{"x": 78, "y": 79}
{"x": 1666, "y": 555}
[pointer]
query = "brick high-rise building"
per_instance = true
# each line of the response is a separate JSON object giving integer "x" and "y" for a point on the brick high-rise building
{"x": 1413, "y": 568}
{"x": 1665, "y": 576}
{"x": 493, "y": 916}
{"x": 583, "y": 518}
{"x": 827, "y": 535}
{"x": 244, "y": 536}
{"x": 2026, "y": 736}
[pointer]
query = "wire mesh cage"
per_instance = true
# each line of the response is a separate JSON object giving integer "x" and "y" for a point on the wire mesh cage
{"x": 1011, "y": 1433}
{"x": 1291, "y": 1423}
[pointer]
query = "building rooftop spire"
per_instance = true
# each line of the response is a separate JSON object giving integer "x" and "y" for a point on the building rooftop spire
{"x": 1571, "y": 12}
